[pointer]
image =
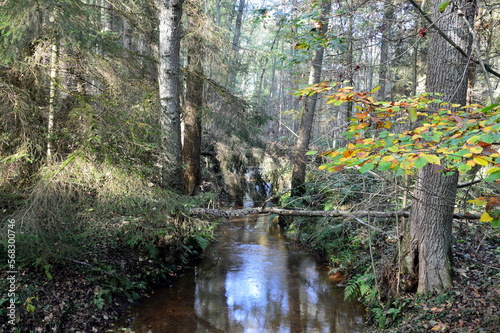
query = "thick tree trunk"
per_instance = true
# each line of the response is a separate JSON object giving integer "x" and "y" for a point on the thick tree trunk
{"x": 170, "y": 12}
{"x": 191, "y": 148}
{"x": 429, "y": 257}
{"x": 306, "y": 123}
{"x": 427, "y": 252}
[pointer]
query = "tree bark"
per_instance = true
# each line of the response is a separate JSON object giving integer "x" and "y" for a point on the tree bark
{"x": 430, "y": 229}
{"x": 53, "y": 96}
{"x": 191, "y": 148}
{"x": 170, "y": 12}
{"x": 387, "y": 23}
{"x": 306, "y": 123}
{"x": 236, "y": 43}
{"x": 427, "y": 252}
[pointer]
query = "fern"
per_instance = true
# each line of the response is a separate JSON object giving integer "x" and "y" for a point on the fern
{"x": 359, "y": 286}
{"x": 352, "y": 291}
{"x": 202, "y": 242}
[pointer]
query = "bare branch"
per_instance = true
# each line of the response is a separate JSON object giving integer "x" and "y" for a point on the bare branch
{"x": 462, "y": 185}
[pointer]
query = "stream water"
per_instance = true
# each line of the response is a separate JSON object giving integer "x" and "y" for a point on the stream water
{"x": 250, "y": 280}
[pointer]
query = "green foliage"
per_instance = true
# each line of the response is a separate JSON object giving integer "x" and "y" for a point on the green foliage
{"x": 80, "y": 205}
{"x": 443, "y": 5}
{"x": 360, "y": 286}
{"x": 451, "y": 137}
{"x": 25, "y": 25}
{"x": 388, "y": 316}
{"x": 109, "y": 283}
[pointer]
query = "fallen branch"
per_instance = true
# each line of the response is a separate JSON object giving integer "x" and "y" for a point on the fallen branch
{"x": 90, "y": 266}
{"x": 296, "y": 212}
{"x": 312, "y": 213}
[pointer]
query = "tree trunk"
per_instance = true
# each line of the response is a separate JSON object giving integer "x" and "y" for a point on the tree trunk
{"x": 191, "y": 148}
{"x": 429, "y": 258}
{"x": 53, "y": 92}
{"x": 427, "y": 253}
{"x": 170, "y": 12}
{"x": 306, "y": 123}
{"x": 384, "y": 49}
{"x": 236, "y": 43}
{"x": 105, "y": 15}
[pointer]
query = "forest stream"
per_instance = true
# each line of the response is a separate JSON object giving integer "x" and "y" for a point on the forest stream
{"x": 251, "y": 280}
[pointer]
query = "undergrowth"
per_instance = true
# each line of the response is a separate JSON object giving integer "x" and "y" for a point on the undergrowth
{"x": 81, "y": 204}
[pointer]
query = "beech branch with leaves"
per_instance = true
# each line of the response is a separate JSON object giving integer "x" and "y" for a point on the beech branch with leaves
{"x": 450, "y": 136}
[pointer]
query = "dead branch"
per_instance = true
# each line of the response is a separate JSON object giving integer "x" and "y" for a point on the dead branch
{"x": 312, "y": 213}
{"x": 295, "y": 212}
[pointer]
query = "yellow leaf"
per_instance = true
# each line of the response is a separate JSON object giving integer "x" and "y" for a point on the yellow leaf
{"x": 480, "y": 161}
{"x": 433, "y": 159}
{"x": 476, "y": 150}
{"x": 474, "y": 139}
{"x": 485, "y": 217}
{"x": 479, "y": 201}
{"x": 406, "y": 165}
{"x": 494, "y": 169}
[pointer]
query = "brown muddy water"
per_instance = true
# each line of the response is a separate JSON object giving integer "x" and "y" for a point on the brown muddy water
{"x": 251, "y": 280}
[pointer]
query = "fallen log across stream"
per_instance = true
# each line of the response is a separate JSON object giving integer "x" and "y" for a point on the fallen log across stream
{"x": 295, "y": 212}
{"x": 318, "y": 213}
{"x": 313, "y": 213}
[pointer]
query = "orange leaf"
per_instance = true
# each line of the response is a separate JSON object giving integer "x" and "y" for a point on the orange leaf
{"x": 347, "y": 153}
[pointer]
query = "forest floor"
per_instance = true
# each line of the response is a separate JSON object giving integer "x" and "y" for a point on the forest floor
{"x": 84, "y": 295}
{"x": 472, "y": 305}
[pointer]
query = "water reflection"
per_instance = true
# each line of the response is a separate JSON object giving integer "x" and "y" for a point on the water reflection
{"x": 252, "y": 280}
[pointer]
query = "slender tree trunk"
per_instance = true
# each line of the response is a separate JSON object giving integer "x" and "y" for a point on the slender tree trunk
{"x": 217, "y": 12}
{"x": 191, "y": 148}
{"x": 387, "y": 22}
{"x": 237, "y": 26}
{"x": 236, "y": 43}
{"x": 106, "y": 15}
{"x": 53, "y": 92}
{"x": 170, "y": 12}
{"x": 306, "y": 124}
{"x": 428, "y": 242}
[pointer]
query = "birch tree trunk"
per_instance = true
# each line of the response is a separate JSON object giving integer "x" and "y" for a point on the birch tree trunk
{"x": 306, "y": 123}
{"x": 428, "y": 240}
{"x": 53, "y": 92}
{"x": 170, "y": 12}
